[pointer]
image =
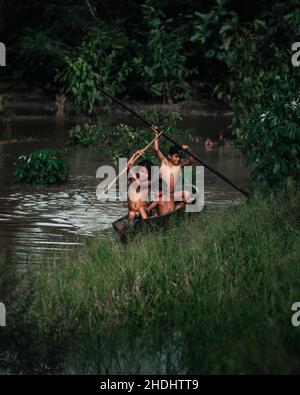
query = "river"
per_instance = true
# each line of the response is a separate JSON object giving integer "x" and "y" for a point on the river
{"x": 36, "y": 222}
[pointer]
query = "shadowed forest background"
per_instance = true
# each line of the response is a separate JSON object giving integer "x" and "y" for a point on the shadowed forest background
{"x": 238, "y": 53}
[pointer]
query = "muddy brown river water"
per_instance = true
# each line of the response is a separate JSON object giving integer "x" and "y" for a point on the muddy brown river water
{"x": 38, "y": 221}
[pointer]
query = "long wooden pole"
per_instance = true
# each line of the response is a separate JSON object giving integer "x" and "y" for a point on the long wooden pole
{"x": 215, "y": 171}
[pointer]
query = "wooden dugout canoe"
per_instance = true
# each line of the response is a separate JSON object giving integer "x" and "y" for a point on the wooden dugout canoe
{"x": 126, "y": 228}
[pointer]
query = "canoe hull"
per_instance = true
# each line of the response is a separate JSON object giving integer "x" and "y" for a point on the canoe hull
{"x": 126, "y": 228}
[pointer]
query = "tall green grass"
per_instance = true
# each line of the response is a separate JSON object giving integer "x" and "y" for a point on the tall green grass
{"x": 212, "y": 294}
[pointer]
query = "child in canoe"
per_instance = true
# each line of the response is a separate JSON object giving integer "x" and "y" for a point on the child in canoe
{"x": 138, "y": 191}
{"x": 171, "y": 166}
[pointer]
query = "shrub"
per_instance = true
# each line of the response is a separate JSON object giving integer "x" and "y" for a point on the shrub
{"x": 96, "y": 62}
{"x": 123, "y": 140}
{"x": 263, "y": 90}
{"x": 163, "y": 66}
{"x": 86, "y": 134}
{"x": 271, "y": 135}
{"x": 42, "y": 167}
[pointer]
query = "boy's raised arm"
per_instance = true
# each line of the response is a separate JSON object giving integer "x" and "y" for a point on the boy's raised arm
{"x": 159, "y": 154}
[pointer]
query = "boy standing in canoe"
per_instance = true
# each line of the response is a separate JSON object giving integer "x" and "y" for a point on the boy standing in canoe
{"x": 171, "y": 166}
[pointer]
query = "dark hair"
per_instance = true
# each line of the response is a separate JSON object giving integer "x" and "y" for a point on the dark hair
{"x": 175, "y": 149}
{"x": 146, "y": 163}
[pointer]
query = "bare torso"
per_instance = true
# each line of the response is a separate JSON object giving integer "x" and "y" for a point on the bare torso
{"x": 137, "y": 196}
{"x": 170, "y": 174}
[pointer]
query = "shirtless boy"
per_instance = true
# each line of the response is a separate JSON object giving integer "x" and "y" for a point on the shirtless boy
{"x": 138, "y": 190}
{"x": 171, "y": 166}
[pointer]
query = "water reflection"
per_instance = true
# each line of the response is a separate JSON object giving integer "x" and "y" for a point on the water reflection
{"x": 36, "y": 221}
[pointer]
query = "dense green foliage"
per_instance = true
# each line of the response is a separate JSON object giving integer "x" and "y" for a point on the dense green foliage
{"x": 263, "y": 91}
{"x": 86, "y": 134}
{"x": 96, "y": 62}
{"x": 42, "y": 167}
{"x": 123, "y": 140}
{"x": 271, "y": 135}
{"x": 238, "y": 52}
{"x": 134, "y": 47}
{"x": 213, "y": 294}
{"x": 164, "y": 69}
{"x": 126, "y": 139}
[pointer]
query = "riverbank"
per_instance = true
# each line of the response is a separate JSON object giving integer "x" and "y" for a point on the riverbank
{"x": 212, "y": 294}
{"x": 23, "y": 101}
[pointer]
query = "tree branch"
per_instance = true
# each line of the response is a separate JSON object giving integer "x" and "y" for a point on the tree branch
{"x": 92, "y": 8}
